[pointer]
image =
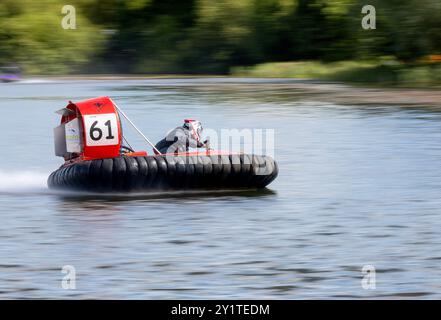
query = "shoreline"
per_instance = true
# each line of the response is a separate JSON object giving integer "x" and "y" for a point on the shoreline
{"x": 329, "y": 91}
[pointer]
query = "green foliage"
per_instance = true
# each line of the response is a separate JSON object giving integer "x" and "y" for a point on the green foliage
{"x": 208, "y": 36}
{"x": 31, "y": 36}
{"x": 382, "y": 71}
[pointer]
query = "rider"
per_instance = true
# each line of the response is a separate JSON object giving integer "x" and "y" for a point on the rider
{"x": 182, "y": 138}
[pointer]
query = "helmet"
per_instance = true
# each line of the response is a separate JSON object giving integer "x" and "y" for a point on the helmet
{"x": 195, "y": 127}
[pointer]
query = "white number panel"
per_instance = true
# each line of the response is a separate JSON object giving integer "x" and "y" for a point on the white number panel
{"x": 101, "y": 130}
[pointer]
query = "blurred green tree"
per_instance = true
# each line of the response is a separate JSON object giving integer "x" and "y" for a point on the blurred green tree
{"x": 31, "y": 36}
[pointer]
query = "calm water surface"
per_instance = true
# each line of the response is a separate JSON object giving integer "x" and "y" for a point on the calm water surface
{"x": 358, "y": 185}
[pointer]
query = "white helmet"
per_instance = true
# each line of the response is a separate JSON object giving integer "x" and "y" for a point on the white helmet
{"x": 195, "y": 127}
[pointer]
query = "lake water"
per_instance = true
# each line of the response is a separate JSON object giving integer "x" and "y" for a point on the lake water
{"x": 358, "y": 185}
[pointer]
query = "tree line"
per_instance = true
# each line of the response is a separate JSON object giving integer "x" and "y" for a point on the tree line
{"x": 209, "y": 36}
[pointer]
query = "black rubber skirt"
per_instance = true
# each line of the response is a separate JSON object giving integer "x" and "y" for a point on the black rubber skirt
{"x": 150, "y": 173}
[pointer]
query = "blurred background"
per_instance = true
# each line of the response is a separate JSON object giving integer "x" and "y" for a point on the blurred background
{"x": 236, "y": 37}
{"x": 360, "y": 175}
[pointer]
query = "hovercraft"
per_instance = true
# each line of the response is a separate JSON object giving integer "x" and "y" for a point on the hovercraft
{"x": 90, "y": 140}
